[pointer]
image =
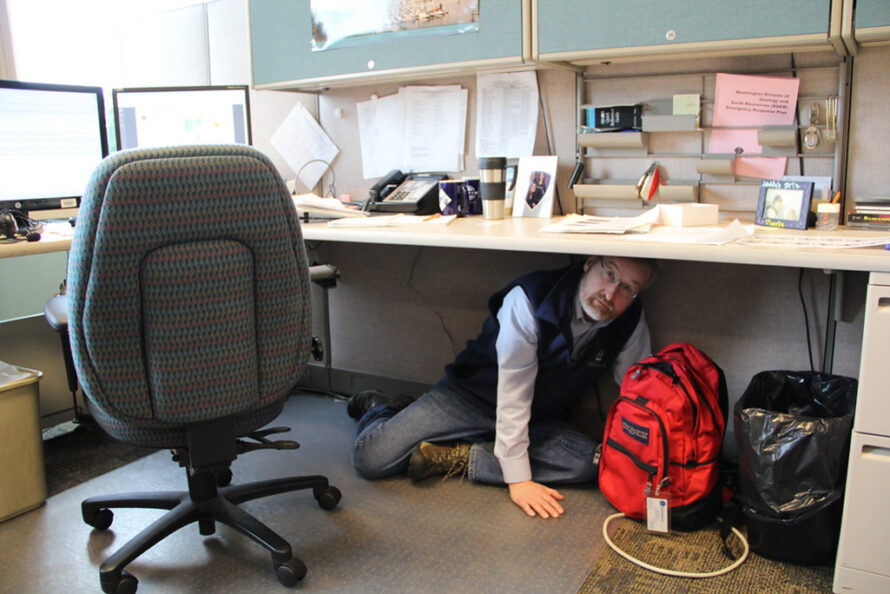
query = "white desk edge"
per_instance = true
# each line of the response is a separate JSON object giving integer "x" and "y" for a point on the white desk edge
{"x": 523, "y": 235}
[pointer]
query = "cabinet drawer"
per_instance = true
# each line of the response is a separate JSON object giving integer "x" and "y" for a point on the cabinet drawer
{"x": 873, "y": 399}
{"x": 865, "y": 540}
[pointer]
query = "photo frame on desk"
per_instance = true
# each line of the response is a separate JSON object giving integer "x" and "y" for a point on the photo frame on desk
{"x": 784, "y": 204}
{"x": 534, "y": 187}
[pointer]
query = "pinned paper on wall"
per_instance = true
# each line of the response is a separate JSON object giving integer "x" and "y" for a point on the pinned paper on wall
{"x": 506, "y": 114}
{"x": 304, "y": 145}
{"x": 757, "y": 101}
{"x": 380, "y": 130}
{"x": 419, "y": 129}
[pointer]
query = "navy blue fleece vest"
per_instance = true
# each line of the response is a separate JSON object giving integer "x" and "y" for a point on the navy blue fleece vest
{"x": 561, "y": 379}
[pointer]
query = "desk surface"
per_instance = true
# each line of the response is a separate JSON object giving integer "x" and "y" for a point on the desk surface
{"x": 523, "y": 234}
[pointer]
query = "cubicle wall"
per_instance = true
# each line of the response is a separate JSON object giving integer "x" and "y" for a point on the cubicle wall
{"x": 399, "y": 314}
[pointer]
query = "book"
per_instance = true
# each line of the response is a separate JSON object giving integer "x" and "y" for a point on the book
{"x": 614, "y": 118}
{"x": 867, "y": 217}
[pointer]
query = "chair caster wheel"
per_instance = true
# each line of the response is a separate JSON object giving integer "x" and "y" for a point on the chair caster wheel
{"x": 328, "y": 498}
{"x": 125, "y": 584}
{"x": 100, "y": 519}
{"x": 291, "y": 572}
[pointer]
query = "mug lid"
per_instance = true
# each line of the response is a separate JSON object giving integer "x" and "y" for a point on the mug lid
{"x": 492, "y": 162}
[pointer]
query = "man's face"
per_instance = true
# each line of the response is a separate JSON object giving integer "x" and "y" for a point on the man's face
{"x": 610, "y": 285}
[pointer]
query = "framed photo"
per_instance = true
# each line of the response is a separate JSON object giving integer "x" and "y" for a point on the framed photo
{"x": 821, "y": 187}
{"x": 535, "y": 186}
{"x": 784, "y": 204}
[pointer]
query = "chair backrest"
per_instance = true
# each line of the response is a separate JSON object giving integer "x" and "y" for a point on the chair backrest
{"x": 188, "y": 291}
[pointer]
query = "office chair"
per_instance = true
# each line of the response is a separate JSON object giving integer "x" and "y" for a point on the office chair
{"x": 188, "y": 313}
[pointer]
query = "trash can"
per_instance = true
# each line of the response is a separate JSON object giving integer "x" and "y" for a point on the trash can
{"x": 792, "y": 430}
{"x": 23, "y": 486}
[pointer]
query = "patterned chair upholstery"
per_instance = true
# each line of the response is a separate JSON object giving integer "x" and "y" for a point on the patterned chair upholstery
{"x": 189, "y": 319}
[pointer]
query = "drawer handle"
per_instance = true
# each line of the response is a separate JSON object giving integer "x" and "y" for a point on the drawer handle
{"x": 883, "y": 302}
{"x": 875, "y": 452}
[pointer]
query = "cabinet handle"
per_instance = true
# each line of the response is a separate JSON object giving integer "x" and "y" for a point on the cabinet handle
{"x": 875, "y": 452}
{"x": 883, "y": 302}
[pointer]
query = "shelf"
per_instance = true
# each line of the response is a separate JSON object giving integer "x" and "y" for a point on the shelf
{"x": 626, "y": 191}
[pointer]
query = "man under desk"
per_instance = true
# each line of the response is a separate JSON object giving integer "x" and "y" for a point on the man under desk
{"x": 495, "y": 416}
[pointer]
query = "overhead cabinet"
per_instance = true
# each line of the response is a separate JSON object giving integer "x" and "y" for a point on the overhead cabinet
{"x": 871, "y": 23}
{"x": 284, "y": 56}
{"x": 589, "y": 31}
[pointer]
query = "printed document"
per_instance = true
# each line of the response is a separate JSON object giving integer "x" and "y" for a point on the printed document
{"x": 381, "y": 129}
{"x": 304, "y": 145}
{"x": 506, "y": 114}
{"x": 419, "y": 129}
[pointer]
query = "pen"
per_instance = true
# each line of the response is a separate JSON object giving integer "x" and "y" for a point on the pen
{"x": 431, "y": 217}
{"x": 834, "y": 200}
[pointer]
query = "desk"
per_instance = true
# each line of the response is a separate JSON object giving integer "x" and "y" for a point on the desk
{"x": 522, "y": 234}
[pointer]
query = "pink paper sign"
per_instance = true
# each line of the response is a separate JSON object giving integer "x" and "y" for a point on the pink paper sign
{"x": 757, "y": 101}
{"x": 744, "y": 100}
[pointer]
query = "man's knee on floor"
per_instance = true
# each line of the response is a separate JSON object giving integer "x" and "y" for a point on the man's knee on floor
{"x": 367, "y": 465}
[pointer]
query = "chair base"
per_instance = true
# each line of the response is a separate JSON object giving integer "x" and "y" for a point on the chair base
{"x": 204, "y": 503}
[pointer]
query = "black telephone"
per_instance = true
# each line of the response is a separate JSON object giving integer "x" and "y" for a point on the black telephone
{"x": 416, "y": 193}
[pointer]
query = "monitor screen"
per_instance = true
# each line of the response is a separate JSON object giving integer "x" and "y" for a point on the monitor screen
{"x": 152, "y": 117}
{"x": 52, "y": 137}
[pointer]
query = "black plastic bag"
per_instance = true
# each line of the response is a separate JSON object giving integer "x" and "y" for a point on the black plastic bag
{"x": 792, "y": 430}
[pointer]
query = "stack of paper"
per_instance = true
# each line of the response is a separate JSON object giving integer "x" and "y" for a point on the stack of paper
{"x": 327, "y": 208}
{"x": 575, "y": 223}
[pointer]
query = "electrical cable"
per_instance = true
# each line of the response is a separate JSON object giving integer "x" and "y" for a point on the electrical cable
{"x": 806, "y": 318}
{"x": 673, "y": 572}
{"x": 830, "y": 325}
{"x": 427, "y": 301}
{"x": 332, "y": 190}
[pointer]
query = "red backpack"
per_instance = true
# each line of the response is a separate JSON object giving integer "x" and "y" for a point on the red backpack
{"x": 663, "y": 434}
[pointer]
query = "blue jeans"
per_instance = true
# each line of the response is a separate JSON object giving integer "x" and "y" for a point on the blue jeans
{"x": 385, "y": 439}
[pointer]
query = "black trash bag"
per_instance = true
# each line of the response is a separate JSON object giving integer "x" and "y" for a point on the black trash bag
{"x": 792, "y": 430}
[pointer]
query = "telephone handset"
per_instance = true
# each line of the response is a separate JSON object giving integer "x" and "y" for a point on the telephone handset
{"x": 413, "y": 193}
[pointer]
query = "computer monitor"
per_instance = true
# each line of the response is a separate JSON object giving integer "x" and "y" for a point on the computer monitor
{"x": 51, "y": 139}
{"x": 171, "y": 116}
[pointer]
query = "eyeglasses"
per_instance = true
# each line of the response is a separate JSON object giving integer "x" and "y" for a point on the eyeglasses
{"x": 624, "y": 290}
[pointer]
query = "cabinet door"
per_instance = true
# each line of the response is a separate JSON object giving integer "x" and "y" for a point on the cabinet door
{"x": 578, "y": 29}
{"x": 283, "y": 56}
{"x": 872, "y": 20}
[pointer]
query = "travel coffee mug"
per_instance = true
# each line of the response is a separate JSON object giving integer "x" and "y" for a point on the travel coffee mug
{"x": 492, "y": 186}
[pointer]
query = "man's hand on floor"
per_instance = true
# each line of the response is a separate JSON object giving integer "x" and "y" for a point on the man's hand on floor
{"x": 536, "y": 499}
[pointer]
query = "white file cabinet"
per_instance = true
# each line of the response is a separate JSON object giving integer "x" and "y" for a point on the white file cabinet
{"x": 863, "y": 558}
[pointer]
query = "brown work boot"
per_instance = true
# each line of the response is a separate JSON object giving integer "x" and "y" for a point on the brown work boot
{"x": 429, "y": 459}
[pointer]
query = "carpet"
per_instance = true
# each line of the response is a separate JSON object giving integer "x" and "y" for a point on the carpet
{"x": 78, "y": 453}
{"x": 698, "y": 551}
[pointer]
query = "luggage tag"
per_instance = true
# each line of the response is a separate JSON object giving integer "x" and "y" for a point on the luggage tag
{"x": 658, "y": 506}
